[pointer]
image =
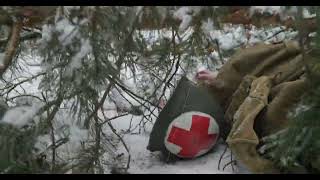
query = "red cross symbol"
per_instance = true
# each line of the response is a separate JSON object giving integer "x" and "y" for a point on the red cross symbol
{"x": 195, "y": 140}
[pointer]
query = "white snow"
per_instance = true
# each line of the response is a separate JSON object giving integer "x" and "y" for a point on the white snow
{"x": 229, "y": 40}
{"x": 67, "y": 31}
{"x": 146, "y": 162}
{"x": 65, "y": 127}
{"x": 46, "y": 33}
{"x": 281, "y": 11}
{"x": 71, "y": 7}
{"x": 138, "y": 9}
{"x": 265, "y": 9}
{"x": 185, "y": 15}
{"x": 43, "y": 142}
{"x": 306, "y": 14}
{"x": 275, "y": 10}
{"x": 313, "y": 34}
{"x": 207, "y": 26}
{"x": 120, "y": 100}
{"x": 76, "y": 60}
{"x": 28, "y": 71}
{"x": 20, "y": 116}
{"x": 142, "y": 161}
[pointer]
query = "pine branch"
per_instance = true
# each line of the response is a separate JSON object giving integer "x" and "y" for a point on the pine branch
{"x": 121, "y": 139}
{"x": 13, "y": 86}
{"x": 135, "y": 96}
{"x": 53, "y": 141}
{"x": 24, "y": 95}
{"x": 111, "y": 79}
{"x": 110, "y": 119}
{"x": 100, "y": 104}
{"x": 97, "y": 143}
{"x": 219, "y": 50}
{"x": 130, "y": 93}
{"x": 28, "y": 36}
{"x": 176, "y": 66}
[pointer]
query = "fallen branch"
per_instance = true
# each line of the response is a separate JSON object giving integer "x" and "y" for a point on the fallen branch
{"x": 224, "y": 151}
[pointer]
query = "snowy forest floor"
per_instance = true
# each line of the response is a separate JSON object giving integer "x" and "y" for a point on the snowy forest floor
{"x": 136, "y": 137}
{"x": 146, "y": 162}
{"x": 135, "y": 130}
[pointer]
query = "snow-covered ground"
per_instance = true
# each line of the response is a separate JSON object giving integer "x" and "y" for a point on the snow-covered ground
{"x": 143, "y": 161}
{"x": 146, "y": 162}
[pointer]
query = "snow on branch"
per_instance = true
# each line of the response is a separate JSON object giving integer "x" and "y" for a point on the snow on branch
{"x": 21, "y": 116}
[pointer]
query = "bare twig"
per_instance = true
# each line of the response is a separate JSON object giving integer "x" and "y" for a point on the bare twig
{"x": 142, "y": 104}
{"x": 171, "y": 67}
{"x": 25, "y": 95}
{"x": 100, "y": 104}
{"x": 130, "y": 93}
{"x": 151, "y": 71}
{"x": 21, "y": 82}
{"x": 110, "y": 119}
{"x": 58, "y": 143}
{"x": 232, "y": 161}
{"x": 50, "y": 119}
{"x": 120, "y": 138}
{"x": 229, "y": 163}
{"x": 97, "y": 143}
{"x": 130, "y": 125}
{"x": 219, "y": 50}
{"x": 112, "y": 81}
{"x": 225, "y": 150}
{"x": 176, "y": 65}
{"x": 275, "y": 34}
{"x": 53, "y": 141}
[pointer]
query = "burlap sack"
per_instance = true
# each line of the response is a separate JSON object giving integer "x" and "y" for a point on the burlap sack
{"x": 237, "y": 99}
{"x": 283, "y": 97}
{"x": 242, "y": 139}
{"x": 281, "y": 61}
{"x": 257, "y": 87}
